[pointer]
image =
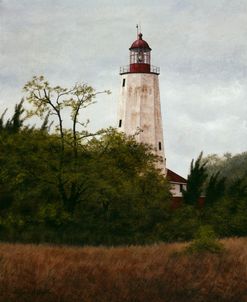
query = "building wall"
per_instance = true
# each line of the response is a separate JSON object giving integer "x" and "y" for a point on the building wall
{"x": 139, "y": 110}
{"x": 176, "y": 189}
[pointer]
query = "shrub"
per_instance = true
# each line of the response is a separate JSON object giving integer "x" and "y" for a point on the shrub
{"x": 205, "y": 241}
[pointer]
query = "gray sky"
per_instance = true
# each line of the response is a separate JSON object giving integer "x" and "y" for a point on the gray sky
{"x": 200, "y": 46}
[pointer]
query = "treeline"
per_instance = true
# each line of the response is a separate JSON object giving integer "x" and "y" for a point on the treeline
{"x": 71, "y": 186}
{"x": 109, "y": 194}
{"x": 222, "y": 182}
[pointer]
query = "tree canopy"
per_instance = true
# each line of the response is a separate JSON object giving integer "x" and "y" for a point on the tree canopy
{"x": 69, "y": 185}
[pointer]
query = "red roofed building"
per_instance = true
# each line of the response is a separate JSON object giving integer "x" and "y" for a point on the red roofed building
{"x": 178, "y": 184}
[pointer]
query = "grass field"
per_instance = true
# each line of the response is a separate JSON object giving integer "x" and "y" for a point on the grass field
{"x": 131, "y": 274}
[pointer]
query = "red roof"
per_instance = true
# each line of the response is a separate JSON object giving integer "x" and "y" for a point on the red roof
{"x": 139, "y": 43}
{"x": 174, "y": 177}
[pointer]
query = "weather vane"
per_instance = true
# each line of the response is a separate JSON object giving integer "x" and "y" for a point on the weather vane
{"x": 137, "y": 29}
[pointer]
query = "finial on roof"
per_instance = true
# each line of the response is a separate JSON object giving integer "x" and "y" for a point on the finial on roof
{"x": 140, "y": 36}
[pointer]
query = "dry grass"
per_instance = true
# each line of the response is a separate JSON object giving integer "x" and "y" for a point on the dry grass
{"x": 152, "y": 273}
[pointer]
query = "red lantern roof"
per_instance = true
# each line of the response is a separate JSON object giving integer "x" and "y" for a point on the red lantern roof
{"x": 139, "y": 43}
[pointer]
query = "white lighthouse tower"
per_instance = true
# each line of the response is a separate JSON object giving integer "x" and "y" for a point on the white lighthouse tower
{"x": 139, "y": 103}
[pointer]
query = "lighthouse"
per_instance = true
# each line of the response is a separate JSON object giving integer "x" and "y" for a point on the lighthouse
{"x": 139, "y": 110}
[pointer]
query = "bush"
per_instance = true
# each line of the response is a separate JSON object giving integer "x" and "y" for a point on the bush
{"x": 205, "y": 241}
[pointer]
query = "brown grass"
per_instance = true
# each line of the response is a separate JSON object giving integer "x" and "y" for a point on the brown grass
{"x": 152, "y": 273}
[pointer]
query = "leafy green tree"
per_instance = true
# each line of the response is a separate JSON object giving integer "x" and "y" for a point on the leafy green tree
{"x": 179, "y": 224}
{"x": 125, "y": 190}
{"x": 50, "y": 101}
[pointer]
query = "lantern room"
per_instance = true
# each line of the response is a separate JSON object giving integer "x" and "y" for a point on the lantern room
{"x": 140, "y": 58}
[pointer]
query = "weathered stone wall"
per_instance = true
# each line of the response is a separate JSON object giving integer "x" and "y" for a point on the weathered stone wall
{"x": 139, "y": 108}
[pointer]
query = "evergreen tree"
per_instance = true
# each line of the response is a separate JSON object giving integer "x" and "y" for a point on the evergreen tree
{"x": 195, "y": 181}
{"x": 215, "y": 189}
{"x": 14, "y": 124}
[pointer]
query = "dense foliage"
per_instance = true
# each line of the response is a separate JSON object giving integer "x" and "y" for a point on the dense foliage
{"x": 222, "y": 181}
{"x": 120, "y": 197}
{"x": 71, "y": 186}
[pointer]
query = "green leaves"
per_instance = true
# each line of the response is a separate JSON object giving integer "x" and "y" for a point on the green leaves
{"x": 45, "y": 98}
{"x": 205, "y": 241}
{"x": 109, "y": 192}
{"x": 74, "y": 186}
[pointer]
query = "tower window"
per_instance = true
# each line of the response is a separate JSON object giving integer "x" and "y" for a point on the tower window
{"x": 120, "y": 124}
{"x": 159, "y": 145}
{"x": 123, "y": 85}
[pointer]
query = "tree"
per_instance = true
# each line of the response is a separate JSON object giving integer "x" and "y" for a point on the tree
{"x": 215, "y": 189}
{"x": 50, "y": 101}
{"x": 195, "y": 181}
{"x": 119, "y": 197}
{"x": 128, "y": 194}
{"x": 8, "y": 131}
{"x": 14, "y": 124}
{"x": 205, "y": 241}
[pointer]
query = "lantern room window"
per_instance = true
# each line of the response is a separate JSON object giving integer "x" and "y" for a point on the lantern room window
{"x": 139, "y": 56}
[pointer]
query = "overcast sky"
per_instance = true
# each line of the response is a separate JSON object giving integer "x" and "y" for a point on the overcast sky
{"x": 199, "y": 45}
